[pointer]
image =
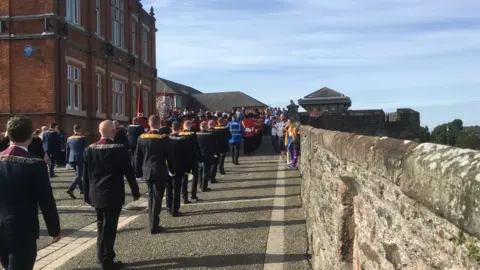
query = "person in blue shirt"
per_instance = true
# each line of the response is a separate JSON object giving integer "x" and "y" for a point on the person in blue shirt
{"x": 236, "y": 129}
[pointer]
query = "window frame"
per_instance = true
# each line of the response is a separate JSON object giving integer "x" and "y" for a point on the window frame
{"x": 118, "y": 91}
{"x": 134, "y": 33}
{"x": 98, "y": 17}
{"x": 145, "y": 53}
{"x": 117, "y": 17}
{"x": 72, "y": 11}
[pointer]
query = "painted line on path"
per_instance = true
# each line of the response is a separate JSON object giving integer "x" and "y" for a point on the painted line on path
{"x": 275, "y": 252}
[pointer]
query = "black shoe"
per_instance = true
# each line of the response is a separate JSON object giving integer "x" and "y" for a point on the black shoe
{"x": 206, "y": 189}
{"x": 194, "y": 198}
{"x": 186, "y": 201}
{"x": 214, "y": 181}
{"x": 176, "y": 214}
{"x": 222, "y": 172}
{"x": 70, "y": 193}
{"x": 156, "y": 230}
{"x": 169, "y": 210}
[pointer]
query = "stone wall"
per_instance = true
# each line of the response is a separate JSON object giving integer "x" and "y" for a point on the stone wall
{"x": 380, "y": 203}
{"x": 402, "y": 124}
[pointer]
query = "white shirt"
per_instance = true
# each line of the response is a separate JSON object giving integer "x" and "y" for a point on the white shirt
{"x": 274, "y": 130}
{"x": 280, "y": 128}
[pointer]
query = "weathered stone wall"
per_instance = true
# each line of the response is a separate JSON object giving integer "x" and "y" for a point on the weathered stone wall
{"x": 402, "y": 124}
{"x": 380, "y": 203}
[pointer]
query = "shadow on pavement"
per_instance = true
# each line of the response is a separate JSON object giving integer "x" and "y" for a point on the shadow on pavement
{"x": 255, "y": 187}
{"x": 256, "y": 179}
{"x": 238, "y": 226}
{"x": 242, "y": 198}
{"x": 240, "y": 210}
{"x": 212, "y": 261}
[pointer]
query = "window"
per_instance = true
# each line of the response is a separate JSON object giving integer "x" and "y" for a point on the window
{"x": 74, "y": 87}
{"x": 99, "y": 92}
{"x": 73, "y": 11}
{"x": 145, "y": 45}
{"x": 118, "y": 94}
{"x": 98, "y": 15}
{"x": 134, "y": 100}
{"x": 118, "y": 34}
{"x": 145, "y": 103}
{"x": 134, "y": 35}
{"x": 178, "y": 101}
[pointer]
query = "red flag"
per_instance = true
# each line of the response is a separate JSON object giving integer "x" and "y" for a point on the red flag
{"x": 140, "y": 102}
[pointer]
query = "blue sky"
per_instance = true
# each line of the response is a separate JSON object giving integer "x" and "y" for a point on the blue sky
{"x": 384, "y": 54}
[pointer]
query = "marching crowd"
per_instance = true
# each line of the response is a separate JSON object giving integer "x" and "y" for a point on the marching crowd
{"x": 160, "y": 151}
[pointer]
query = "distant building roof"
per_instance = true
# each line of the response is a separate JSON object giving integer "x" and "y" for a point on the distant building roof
{"x": 325, "y": 96}
{"x": 176, "y": 88}
{"x": 324, "y": 92}
{"x": 225, "y": 101}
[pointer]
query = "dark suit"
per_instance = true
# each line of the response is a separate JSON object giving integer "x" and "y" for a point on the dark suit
{"x": 121, "y": 137}
{"x": 194, "y": 157}
{"x": 181, "y": 146}
{"x": 36, "y": 148}
{"x": 53, "y": 146}
{"x": 223, "y": 135}
{"x": 209, "y": 147}
{"x": 24, "y": 183}
{"x": 4, "y": 143}
{"x": 133, "y": 132}
{"x": 76, "y": 144}
{"x": 154, "y": 154}
{"x": 105, "y": 164}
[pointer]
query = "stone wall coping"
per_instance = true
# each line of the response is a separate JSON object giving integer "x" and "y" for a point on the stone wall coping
{"x": 442, "y": 178}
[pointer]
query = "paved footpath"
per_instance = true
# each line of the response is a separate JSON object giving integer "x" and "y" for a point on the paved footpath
{"x": 252, "y": 219}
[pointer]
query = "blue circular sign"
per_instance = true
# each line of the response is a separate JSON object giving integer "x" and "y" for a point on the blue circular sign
{"x": 28, "y": 50}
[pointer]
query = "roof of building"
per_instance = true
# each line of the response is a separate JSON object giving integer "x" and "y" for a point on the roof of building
{"x": 324, "y": 93}
{"x": 177, "y": 88}
{"x": 225, "y": 101}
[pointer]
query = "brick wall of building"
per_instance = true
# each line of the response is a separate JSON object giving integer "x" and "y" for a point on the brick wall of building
{"x": 37, "y": 85}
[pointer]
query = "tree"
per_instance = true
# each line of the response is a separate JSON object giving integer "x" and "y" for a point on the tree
{"x": 424, "y": 134}
{"x": 469, "y": 138}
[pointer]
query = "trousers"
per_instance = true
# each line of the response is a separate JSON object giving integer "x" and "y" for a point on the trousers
{"x": 204, "y": 172}
{"x": 107, "y": 222}
{"x": 174, "y": 185}
{"x": 194, "y": 184}
{"x": 14, "y": 256}
{"x": 235, "y": 149}
{"x": 156, "y": 190}
{"x": 77, "y": 181}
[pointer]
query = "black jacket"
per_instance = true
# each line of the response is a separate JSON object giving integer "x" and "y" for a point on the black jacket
{"x": 208, "y": 145}
{"x": 194, "y": 153}
{"x": 181, "y": 150}
{"x": 223, "y": 135}
{"x": 25, "y": 185}
{"x": 105, "y": 164}
{"x": 133, "y": 132}
{"x": 154, "y": 153}
{"x": 121, "y": 138}
{"x": 36, "y": 148}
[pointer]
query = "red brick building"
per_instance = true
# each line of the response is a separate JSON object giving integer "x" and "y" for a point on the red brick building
{"x": 76, "y": 61}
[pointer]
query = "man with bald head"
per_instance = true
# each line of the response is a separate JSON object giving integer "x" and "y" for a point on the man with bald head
{"x": 105, "y": 165}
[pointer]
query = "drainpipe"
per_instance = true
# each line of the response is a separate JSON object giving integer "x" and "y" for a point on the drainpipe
{"x": 10, "y": 87}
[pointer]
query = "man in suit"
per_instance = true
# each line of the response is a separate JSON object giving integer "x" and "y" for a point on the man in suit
{"x": 76, "y": 144}
{"x": 181, "y": 146}
{"x": 24, "y": 184}
{"x": 193, "y": 162}
{"x": 154, "y": 155}
{"x": 52, "y": 145}
{"x": 120, "y": 135}
{"x": 209, "y": 148}
{"x": 133, "y": 132}
{"x": 105, "y": 164}
{"x": 223, "y": 135}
